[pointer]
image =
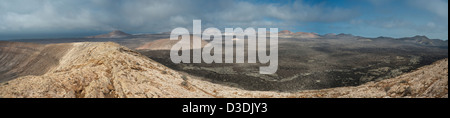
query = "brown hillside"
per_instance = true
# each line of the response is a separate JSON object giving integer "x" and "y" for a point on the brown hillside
{"x": 97, "y": 70}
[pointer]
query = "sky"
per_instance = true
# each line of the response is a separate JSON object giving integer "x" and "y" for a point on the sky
{"x": 79, "y": 18}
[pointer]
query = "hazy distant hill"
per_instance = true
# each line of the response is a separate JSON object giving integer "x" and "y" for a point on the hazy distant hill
{"x": 425, "y": 41}
{"x": 303, "y": 35}
{"x": 165, "y": 44}
{"x": 113, "y": 34}
{"x": 419, "y": 40}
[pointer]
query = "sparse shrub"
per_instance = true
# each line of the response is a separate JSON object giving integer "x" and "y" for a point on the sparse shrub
{"x": 137, "y": 68}
{"x": 184, "y": 83}
{"x": 403, "y": 81}
{"x": 387, "y": 88}
{"x": 184, "y": 77}
{"x": 164, "y": 72}
{"x": 407, "y": 91}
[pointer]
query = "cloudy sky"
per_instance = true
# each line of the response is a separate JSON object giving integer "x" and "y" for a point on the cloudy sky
{"x": 78, "y": 18}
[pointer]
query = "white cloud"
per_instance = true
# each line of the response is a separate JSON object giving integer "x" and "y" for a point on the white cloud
{"x": 438, "y": 7}
{"x": 431, "y": 24}
{"x": 45, "y": 16}
{"x": 379, "y": 2}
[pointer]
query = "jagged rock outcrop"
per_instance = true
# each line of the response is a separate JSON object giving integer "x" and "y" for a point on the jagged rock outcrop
{"x": 97, "y": 70}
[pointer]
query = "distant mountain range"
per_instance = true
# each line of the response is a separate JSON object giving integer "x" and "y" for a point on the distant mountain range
{"x": 421, "y": 40}
{"x": 289, "y": 34}
{"x": 166, "y": 44}
{"x": 113, "y": 34}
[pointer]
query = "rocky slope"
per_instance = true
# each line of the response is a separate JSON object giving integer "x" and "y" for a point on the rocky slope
{"x": 98, "y": 70}
{"x": 19, "y": 59}
{"x": 426, "y": 82}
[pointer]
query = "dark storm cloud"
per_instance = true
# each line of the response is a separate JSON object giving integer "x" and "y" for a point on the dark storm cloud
{"x": 155, "y": 15}
{"x": 360, "y": 17}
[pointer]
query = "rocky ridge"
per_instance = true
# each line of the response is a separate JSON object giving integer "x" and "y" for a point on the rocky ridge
{"x": 108, "y": 70}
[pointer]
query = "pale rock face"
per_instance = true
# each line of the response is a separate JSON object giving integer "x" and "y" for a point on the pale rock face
{"x": 98, "y": 70}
